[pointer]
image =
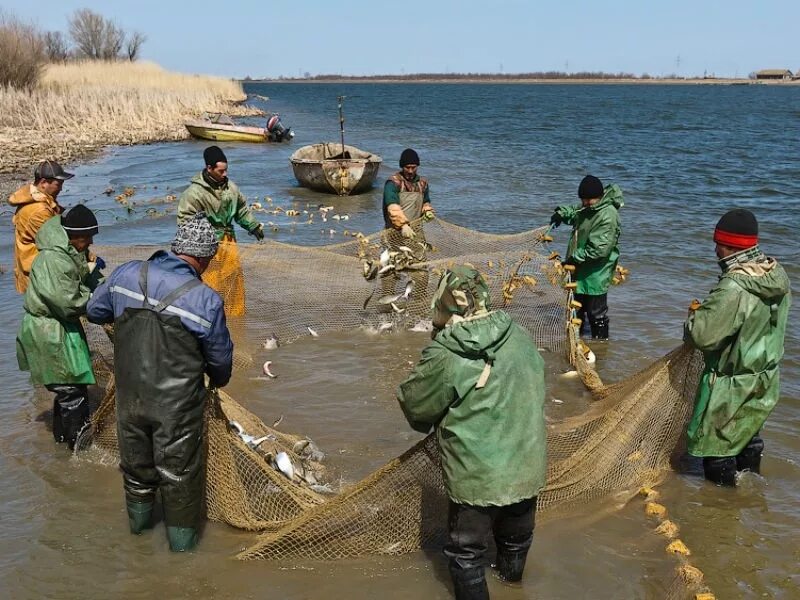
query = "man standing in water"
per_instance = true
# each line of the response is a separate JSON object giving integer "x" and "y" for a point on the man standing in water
{"x": 406, "y": 200}
{"x": 163, "y": 348}
{"x": 212, "y": 193}
{"x": 740, "y": 329}
{"x": 406, "y": 197}
{"x": 593, "y": 248}
{"x": 480, "y": 383}
{"x": 51, "y": 343}
{"x": 35, "y": 203}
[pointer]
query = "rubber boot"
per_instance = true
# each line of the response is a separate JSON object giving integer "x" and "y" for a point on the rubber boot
{"x": 600, "y": 328}
{"x": 720, "y": 470}
{"x": 749, "y": 459}
{"x": 182, "y": 539}
{"x": 470, "y": 584}
{"x": 510, "y": 565}
{"x": 140, "y": 516}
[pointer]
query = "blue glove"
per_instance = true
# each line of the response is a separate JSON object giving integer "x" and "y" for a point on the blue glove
{"x": 101, "y": 264}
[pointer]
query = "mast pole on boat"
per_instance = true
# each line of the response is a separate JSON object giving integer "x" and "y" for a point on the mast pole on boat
{"x": 341, "y": 120}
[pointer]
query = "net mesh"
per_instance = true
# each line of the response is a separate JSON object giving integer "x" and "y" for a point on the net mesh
{"x": 381, "y": 281}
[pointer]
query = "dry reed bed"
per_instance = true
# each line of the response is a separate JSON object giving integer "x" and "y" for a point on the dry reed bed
{"x": 78, "y": 108}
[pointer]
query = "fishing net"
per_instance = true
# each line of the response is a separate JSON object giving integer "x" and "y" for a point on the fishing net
{"x": 383, "y": 282}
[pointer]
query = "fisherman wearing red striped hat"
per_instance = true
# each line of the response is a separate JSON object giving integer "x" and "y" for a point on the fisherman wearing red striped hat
{"x": 740, "y": 328}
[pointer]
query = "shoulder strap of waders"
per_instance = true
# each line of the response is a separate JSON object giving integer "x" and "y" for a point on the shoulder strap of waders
{"x": 169, "y": 298}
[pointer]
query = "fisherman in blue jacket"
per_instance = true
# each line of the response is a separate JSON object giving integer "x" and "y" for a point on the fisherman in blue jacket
{"x": 169, "y": 332}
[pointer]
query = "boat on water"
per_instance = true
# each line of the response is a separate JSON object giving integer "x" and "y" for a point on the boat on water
{"x": 219, "y": 127}
{"x": 335, "y": 168}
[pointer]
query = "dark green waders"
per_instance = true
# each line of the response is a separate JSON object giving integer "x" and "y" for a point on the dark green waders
{"x": 159, "y": 369}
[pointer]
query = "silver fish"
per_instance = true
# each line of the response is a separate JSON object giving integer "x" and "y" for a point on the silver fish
{"x": 384, "y": 258}
{"x": 284, "y": 464}
{"x": 266, "y": 370}
{"x": 271, "y": 342}
{"x": 312, "y": 332}
{"x": 251, "y": 441}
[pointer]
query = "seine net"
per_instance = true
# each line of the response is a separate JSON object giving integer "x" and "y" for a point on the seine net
{"x": 383, "y": 282}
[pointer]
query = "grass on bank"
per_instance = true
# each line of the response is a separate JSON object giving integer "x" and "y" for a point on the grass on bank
{"x": 82, "y": 106}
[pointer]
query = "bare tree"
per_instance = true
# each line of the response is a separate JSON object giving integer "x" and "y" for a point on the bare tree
{"x": 23, "y": 53}
{"x": 113, "y": 39}
{"x": 95, "y": 36}
{"x": 56, "y": 46}
{"x": 86, "y": 30}
{"x": 134, "y": 44}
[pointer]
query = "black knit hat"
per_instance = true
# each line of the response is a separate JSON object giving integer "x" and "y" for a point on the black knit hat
{"x": 409, "y": 157}
{"x": 738, "y": 228}
{"x": 213, "y": 155}
{"x": 79, "y": 221}
{"x": 590, "y": 187}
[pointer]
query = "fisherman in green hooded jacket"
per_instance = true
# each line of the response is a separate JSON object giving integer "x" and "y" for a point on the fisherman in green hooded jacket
{"x": 51, "y": 343}
{"x": 212, "y": 193}
{"x": 480, "y": 383}
{"x": 740, "y": 329}
{"x": 593, "y": 248}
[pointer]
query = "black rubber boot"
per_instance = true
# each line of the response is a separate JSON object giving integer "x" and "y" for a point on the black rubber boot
{"x": 469, "y": 584}
{"x": 600, "y": 328}
{"x": 510, "y": 565}
{"x": 182, "y": 539}
{"x": 720, "y": 470}
{"x": 140, "y": 516}
{"x": 749, "y": 459}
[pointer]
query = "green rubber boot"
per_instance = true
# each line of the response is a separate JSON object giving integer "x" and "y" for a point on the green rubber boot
{"x": 182, "y": 539}
{"x": 139, "y": 516}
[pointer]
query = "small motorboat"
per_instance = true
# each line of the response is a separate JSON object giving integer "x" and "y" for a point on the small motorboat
{"x": 219, "y": 127}
{"x": 335, "y": 168}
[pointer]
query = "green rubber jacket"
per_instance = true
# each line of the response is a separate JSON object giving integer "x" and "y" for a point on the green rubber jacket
{"x": 51, "y": 343}
{"x": 492, "y": 438}
{"x": 222, "y": 206}
{"x": 740, "y": 329}
{"x": 593, "y": 243}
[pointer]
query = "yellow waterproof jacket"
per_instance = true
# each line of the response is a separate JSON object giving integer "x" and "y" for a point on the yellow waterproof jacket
{"x": 34, "y": 207}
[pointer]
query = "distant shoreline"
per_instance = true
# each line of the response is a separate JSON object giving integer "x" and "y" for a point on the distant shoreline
{"x": 522, "y": 80}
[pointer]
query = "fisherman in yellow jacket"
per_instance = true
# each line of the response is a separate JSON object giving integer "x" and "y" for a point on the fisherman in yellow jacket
{"x": 35, "y": 203}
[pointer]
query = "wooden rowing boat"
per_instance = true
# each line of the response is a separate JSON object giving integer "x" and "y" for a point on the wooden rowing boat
{"x": 327, "y": 168}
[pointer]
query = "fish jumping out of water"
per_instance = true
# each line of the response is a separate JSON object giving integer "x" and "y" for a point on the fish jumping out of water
{"x": 266, "y": 370}
{"x": 399, "y": 298}
{"x": 271, "y": 342}
{"x": 312, "y": 332}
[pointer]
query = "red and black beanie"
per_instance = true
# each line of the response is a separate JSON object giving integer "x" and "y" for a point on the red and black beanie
{"x": 737, "y": 228}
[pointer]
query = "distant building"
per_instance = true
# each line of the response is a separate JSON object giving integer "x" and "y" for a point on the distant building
{"x": 775, "y": 74}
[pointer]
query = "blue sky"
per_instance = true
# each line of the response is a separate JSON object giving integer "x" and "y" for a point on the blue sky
{"x": 359, "y": 37}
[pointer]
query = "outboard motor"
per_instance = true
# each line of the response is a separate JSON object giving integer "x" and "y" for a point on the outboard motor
{"x": 276, "y": 131}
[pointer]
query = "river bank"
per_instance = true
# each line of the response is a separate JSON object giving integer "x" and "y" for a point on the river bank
{"x": 79, "y": 108}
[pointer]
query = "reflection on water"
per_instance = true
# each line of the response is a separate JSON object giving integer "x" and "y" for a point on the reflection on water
{"x": 682, "y": 155}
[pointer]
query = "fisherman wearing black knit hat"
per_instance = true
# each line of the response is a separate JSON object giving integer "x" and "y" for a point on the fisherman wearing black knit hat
{"x": 740, "y": 329}
{"x": 592, "y": 253}
{"x": 406, "y": 203}
{"x": 51, "y": 343}
{"x": 212, "y": 193}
